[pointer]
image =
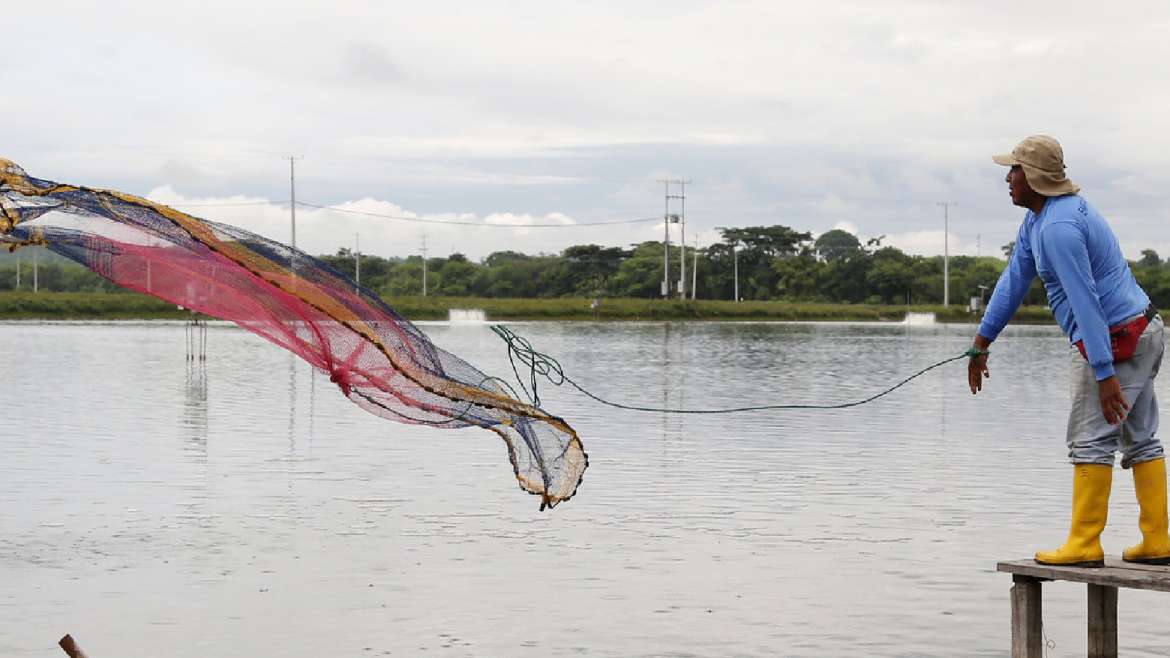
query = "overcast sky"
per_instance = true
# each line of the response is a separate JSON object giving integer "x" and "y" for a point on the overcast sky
{"x": 861, "y": 115}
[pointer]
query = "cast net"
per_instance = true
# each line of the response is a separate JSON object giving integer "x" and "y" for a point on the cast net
{"x": 378, "y": 359}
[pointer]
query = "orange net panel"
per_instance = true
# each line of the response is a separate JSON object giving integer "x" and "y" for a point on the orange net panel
{"x": 377, "y": 358}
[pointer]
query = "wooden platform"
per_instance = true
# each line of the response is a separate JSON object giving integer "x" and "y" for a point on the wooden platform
{"x": 1103, "y": 583}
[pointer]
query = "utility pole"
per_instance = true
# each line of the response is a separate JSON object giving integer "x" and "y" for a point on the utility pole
{"x": 695, "y": 270}
{"x": 424, "y": 253}
{"x": 946, "y": 206}
{"x": 674, "y": 219}
{"x": 682, "y": 239}
{"x": 357, "y": 258}
{"x": 666, "y": 243}
{"x": 735, "y": 257}
{"x": 292, "y": 206}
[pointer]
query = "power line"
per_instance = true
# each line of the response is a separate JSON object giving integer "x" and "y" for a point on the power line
{"x": 436, "y": 222}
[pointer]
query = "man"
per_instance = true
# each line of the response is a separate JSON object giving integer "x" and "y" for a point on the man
{"x": 1118, "y": 339}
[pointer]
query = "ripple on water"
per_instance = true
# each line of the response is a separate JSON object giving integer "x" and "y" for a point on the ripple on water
{"x": 207, "y": 510}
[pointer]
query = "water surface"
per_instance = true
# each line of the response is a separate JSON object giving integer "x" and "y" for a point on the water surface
{"x": 152, "y": 506}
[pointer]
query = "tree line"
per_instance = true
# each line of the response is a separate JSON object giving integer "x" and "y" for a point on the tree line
{"x": 767, "y": 263}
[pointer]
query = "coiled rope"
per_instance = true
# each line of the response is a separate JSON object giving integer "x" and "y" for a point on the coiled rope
{"x": 540, "y": 365}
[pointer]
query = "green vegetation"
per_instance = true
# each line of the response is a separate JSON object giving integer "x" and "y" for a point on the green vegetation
{"x": 126, "y": 305}
{"x": 572, "y": 308}
{"x": 774, "y": 263}
{"x": 783, "y": 274}
{"x": 24, "y": 305}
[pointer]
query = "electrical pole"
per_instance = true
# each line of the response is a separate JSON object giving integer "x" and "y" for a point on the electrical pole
{"x": 946, "y": 206}
{"x": 357, "y": 258}
{"x": 292, "y": 206}
{"x": 735, "y": 257}
{"x": 695, "y": 270}
{"x": 666, "y": 243}
{"x": 424, "y": 265}
{"x": 682, "y": 240}
{"x": 668, "y": 219}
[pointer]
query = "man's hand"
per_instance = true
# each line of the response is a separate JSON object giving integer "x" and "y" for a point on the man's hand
{"x": 1113, "y": 402}
{"x": 977, "y": 366}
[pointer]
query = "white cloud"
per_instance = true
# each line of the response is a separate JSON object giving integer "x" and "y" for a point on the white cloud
{"x": 934, "y": 243}
{"x": 848, "y": 227}
{"x": 387, "y": 229}
{"x": 1032, "y": 48}
{"x": 862, "y": 111}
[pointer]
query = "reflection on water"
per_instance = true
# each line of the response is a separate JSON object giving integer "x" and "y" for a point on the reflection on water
{"x": 278, "y": 519}
{"x": 292, "y": 404}
{"x": 194, "y": 418}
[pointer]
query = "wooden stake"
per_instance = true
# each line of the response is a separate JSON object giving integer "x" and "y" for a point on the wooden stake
{"x": 71, "y": 647}
{"x": 1102, "y": 621}
{"x": 1027, "y": 630}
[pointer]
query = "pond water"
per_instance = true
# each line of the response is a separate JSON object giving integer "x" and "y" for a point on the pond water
{"x": 153, "y": 506}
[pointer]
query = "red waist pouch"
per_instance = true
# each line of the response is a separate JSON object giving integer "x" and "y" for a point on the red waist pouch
{"x": 1123, "y": 338}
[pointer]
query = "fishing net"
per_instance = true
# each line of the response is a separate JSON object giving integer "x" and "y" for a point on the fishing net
{"x": 378, "y": 359}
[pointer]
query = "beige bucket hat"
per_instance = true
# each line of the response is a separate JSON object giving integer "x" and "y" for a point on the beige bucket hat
{"x": 1042, "y": 160}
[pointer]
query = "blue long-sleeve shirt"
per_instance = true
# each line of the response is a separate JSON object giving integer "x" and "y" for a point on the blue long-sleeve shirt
{"x": 1090, "y": 286}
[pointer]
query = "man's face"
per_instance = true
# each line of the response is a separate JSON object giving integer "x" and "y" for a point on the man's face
{"x": 1018, "y": 187}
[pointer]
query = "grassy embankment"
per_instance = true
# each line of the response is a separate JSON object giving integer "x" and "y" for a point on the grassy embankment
{"x": 124, "y": 306}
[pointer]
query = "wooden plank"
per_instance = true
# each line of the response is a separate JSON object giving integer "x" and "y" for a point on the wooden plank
{"x": 1115, "y": 573}
{"x": 1102, "y": 621}
{"x": 1027, "y": 631}
{"x": 1118, "y": 563}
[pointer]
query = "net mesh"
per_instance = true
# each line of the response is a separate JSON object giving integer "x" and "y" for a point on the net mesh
{"x": 377, "y": 358}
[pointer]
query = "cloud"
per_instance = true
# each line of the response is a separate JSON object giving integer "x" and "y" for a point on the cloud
{"x": 933, "y": 243}
{"x": 512, "y": 219}
{"x": 387, "y": 229}
{"x": 858, "y": 111}
{"x": 366, "y": 62}
{"x": 848, "y": 227}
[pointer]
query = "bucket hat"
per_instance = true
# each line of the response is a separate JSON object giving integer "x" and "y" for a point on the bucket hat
{"x": 1042, "y": 160}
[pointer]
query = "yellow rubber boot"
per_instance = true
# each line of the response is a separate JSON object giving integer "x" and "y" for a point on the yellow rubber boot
{"x": 1149, "y": 482}
{"x": 1090, "y": 509}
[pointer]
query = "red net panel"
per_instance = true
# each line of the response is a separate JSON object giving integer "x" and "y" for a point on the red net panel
{"x": 378, "y": 359}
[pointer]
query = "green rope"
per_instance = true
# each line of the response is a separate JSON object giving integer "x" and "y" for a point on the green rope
{"x": 540, "y": 365}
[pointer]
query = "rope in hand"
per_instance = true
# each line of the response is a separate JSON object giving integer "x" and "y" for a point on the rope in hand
{"x": 540, "y": 365}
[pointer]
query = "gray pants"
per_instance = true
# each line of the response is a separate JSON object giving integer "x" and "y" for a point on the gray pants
{"x": 1090, "y": 439}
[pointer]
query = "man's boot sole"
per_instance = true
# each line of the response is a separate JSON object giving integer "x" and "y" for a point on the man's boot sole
{"x": 1149, "y": 560}
{"x": 1085, "y": 563}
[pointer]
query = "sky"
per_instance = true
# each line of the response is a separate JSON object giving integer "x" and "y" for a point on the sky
{"x": 861, "y": 115}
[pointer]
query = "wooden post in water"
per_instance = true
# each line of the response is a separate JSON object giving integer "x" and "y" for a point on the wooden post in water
{"x": 1102, "y": 582}
{"x": 1102, "y": 621}
{"x": 1027, "y": 624}
{"x": 70, "y": 647}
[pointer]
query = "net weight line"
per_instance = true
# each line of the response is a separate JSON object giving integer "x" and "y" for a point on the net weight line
{"x": 539, "y": 364}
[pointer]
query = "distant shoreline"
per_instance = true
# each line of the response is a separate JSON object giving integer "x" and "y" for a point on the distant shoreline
{"x": 24, "y": 305}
